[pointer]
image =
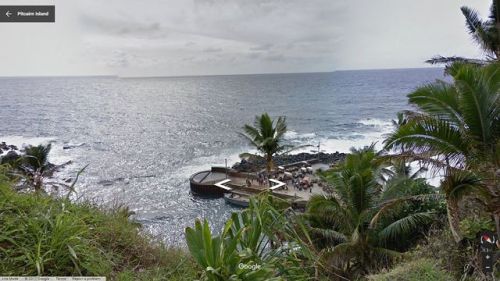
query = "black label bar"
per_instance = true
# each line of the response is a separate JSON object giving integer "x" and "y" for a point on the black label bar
{"x": 27, "y": 13}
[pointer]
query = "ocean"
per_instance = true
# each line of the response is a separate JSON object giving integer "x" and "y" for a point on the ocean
{"x": 143, "y": 137}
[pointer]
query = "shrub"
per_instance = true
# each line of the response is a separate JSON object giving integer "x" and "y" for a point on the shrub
{"x": 417, "y": 270}
{"x": 41, "y": 235}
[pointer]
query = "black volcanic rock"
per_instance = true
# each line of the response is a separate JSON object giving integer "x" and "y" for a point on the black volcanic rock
{"x": 255, "y": 164}
{"x": 10, "y": 157}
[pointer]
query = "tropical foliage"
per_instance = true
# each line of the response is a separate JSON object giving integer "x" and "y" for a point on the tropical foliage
{"x": 45, "y": 236}
{"x": 264, "y": 242}
{"x": 266, "y": 135}
{"x": 456, "y": 130}
{"x": 33, "y": 171}
{"x": 35, "y": 166}
{"x": 421, "y": 269}
{"x": 486, "y": 33}
{"x": 367, "y": 218}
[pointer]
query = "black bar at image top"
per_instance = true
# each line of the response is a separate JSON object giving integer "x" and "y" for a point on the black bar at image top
{"x": 44, "y": 13}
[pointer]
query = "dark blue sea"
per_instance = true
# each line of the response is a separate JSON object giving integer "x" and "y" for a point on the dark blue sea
{"x": 143, "y": 137}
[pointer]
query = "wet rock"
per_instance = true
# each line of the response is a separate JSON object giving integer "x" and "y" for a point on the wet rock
{"x": 10, "y": 157}
{"x": 13, "y": 147}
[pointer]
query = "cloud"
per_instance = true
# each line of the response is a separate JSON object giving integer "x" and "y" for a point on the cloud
{"x": 118, "y": 59}
{"x": 183, "y": 37}
{"x": 276, "y": 57}
{"x": 263, "y": 47}
{"x": 212, "y": 50}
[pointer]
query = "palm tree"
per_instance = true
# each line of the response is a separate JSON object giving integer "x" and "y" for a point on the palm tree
{"x": 266, "y": 135}
{"x": 456, "y": 130}
{"x": 35, "y": 165}
{"x": 485, "y": 33}
{"x": 362, "y": 223}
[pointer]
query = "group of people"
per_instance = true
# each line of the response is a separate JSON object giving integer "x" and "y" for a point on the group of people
{"x": 262, "y": 179}
{"x": 298, "y": 179}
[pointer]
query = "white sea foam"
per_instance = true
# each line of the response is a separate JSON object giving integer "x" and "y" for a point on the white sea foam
{"x": 375, "y": 122}
{"x": 357, "y": 138}
{"x": 205, "y": 163}
{"x": 293, "y": 135}
{"x": 21, "y": 141}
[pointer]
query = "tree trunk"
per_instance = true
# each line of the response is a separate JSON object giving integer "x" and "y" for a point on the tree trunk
{"x": 37, "y": 181}
{"x": 269, "y": 166}
{"x": 269, "y": 163}
{"x": 454, "y": 220}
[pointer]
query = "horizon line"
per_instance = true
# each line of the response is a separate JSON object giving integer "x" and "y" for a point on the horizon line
{"x": 211, "y": 75}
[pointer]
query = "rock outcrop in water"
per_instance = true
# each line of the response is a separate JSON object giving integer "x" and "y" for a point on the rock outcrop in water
{"x": 256, "y": 164}
{"x": 6, "y": 147}
{"x": 8, "y": 153}
{"x": 10, "y": 157}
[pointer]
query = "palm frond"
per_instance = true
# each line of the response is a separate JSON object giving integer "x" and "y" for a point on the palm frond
{"x": 438, "y": 99}
{"x": 472, "y": 20}
{"x": 388, "y": 205}
{"x": 484, "y": 33}
{"x": 333, "y": 237}
{"x": 405, "y": 226}
{"x": 458, "y": 183}
{"x": 479, "y": 100}
{"x": 430, "y": 135}
{"x": 453, "y": 59}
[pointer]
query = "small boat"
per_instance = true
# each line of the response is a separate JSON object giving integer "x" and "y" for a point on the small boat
{"x": 236, "y": 199}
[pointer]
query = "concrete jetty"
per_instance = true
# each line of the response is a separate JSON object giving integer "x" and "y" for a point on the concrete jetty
{"x": 301, "y": 182}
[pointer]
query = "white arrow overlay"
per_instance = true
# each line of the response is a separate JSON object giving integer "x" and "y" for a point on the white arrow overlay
{"x": 8, "y": 14}
{"x": 221, "y": 185}
{"x": 278, "y": 184}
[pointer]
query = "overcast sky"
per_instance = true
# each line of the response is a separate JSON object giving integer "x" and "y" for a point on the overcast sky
{"x": 199, "y": 37}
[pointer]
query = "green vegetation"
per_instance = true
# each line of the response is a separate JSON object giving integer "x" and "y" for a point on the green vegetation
{"x": 377, "y": 211}
{"x": 378, "y": 221}
{"x": 33, "y": 171}
{"x": 485, "y": 33}
{"x": 377, "y": 208}
{"x": 267, "y": 241}
{"x": 266, "y": 135}
{"x": 34, "y": 166}
{"x": 363, "y": 223}
{"x": 40, "y": 235}
{"x": 417, "y": 270}
{"x": 456, "y": 130}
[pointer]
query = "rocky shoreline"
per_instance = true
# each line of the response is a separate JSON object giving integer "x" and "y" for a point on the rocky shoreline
{"x": 256, "y": 164}
{"x": 9, "y": 153}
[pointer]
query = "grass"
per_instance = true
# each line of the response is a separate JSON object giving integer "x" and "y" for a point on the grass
{"x": 416, "y": 270}
{"x": 41, "y": 235}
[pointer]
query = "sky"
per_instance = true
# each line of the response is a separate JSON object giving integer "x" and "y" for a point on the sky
{"x": 217, "y": 37}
